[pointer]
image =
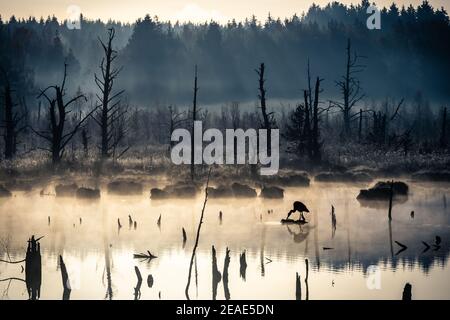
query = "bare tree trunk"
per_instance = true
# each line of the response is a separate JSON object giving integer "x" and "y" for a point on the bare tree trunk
{"x": 110, "y": 111}
{"x": 56, "y": 136}
{"x": 194, "y": 118}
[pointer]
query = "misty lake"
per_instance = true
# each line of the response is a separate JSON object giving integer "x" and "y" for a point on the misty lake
{"x": 361, "y": 261}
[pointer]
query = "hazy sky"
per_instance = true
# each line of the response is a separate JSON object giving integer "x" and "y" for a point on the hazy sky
{"x": 183, "y": 10}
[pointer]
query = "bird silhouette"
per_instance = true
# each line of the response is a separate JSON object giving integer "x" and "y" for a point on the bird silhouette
{"x": 300, "y": 207}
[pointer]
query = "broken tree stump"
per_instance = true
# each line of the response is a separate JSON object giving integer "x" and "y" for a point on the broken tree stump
{"x": 33, "y": 268}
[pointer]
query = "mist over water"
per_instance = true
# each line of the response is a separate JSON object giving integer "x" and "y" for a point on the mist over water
{"x": 274, "y": 252}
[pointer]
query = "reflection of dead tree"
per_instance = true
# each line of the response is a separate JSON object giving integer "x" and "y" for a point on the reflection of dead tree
{"x": 137, "y": 289}
{"x": 390, "y": 239}
{"x": 184, "y": 237}
{"x": 197, "y": 238}
{"x": 333, "y": 222}
{"x": 65, "y": 279}
{"x": 33, "y": 269}
{"x": 225, "y": 275}
{"x": 261, "y": 255}
{"x": 216, "y": 276}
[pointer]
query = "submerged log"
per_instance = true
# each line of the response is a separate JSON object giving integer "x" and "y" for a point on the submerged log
{"x": 147, "y": 255}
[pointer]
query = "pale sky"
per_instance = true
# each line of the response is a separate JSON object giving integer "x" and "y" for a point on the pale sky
{"x": 182, "y": 10}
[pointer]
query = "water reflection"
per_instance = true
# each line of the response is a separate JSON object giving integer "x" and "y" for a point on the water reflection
{"x": 248, "y": 239}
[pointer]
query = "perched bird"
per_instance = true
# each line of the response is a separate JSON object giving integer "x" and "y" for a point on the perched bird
{"x": 300, "y": 207}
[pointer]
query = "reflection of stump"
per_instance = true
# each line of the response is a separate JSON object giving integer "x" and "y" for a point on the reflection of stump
{"x": 33, "y": 269}
{"x": 298, "y": 287}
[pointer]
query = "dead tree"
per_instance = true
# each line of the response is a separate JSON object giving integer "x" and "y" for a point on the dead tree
{"x": 11, "y": 120}
{"x": 197, "y": 238}
{"x": 381, "y": 123}
{"x": 177, "y": 119}
{"x": 33, "y": 268}
{"x": 316, "y": 144}
{"x": 268, "y": 118}
{"x": 194, "y": 118}
{"x": 303, "y": 132}
{"x": 350, "y": 87}
{"x": 57, "y": 134}
{"x": 110, "y": 111}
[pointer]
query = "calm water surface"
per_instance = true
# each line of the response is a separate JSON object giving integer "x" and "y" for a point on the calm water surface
{"x": 363, "y": 263}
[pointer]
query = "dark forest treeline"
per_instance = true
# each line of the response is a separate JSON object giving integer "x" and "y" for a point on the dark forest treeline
{"x": 409, "y": 53}
{"x": 113, "y": 89}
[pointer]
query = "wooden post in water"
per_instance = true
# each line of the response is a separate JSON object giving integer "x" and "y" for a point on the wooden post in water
{"x": 33, "y": 268}
{"x": 306, "y": 278}
{"x": 298, "y": 287}
{"x": 407, "y": 292}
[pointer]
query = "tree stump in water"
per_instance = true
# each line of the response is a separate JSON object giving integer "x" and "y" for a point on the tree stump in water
{"x": 33, "y": 268}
